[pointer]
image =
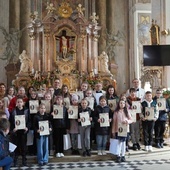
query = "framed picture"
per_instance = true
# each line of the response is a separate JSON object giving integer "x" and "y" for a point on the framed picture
{"x": 33, "y": 106}
{"x": 161, "y": 104}
{"x": 20, "y": 122}
{"x": 133, "y": 114}
{"x": 90, "y": 102}
{"x": 136, "y": 105}
{"x": 112, "y": 104}
{"x": 44, "y": 127}
{"x": 66, "y": 102}
{"x": 122, "y": 130}
{"x": 80, "y": 95}
{"x": 149, "y": 113}
{"x": 104, "y": 119}
{"x": 58, "y": 112}
{"x": 73, "y": 112}
{"x": 47, "y": 105}
{"x": 84, "y": 116}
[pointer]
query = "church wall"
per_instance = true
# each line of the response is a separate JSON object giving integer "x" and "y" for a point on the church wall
{"x": 4, "y": 23}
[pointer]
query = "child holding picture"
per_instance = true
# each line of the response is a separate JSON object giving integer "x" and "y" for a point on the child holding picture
{"x": 101, "y": 132}
{"x": 42, "y": 140}
{"x": 19, "y": 137}
{"x": 60, "y": 127}
{"x": 148, "y": 124}
{"x": 121, "y": 116}
{"x": 85, "y": 130}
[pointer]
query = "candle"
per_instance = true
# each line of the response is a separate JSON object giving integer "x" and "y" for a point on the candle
{"x": 48, "y": 64}
{"x": 95, "y": 71}
{"x": 39, "y": 65}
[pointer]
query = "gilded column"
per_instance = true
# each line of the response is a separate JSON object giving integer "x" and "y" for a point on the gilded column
{"x": 101, "y": 11}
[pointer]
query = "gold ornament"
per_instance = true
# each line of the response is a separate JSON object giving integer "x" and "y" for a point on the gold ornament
{"x": 65, "y": 10}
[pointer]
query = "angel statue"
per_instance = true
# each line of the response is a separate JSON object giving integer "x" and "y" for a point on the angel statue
{"x": 26, "y": 63}
{"x": 50, "y": 7}
{"x": 11, "y": 44}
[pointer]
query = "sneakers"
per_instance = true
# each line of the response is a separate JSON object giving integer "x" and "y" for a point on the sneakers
{"x": 150, "y": 148}
{"x": 123, "y": 159}
{"x": 61, "y": 155}
{"x": 138, "y": 146}
{"x": 158, "y": 145}
{"x": 162, "y": 145}
{"x": 118, "y": 160}
{"x": 99, "y": 152}
{"x": 146, "y": 148}
{"x": 84, "y": 154}
{"x": 88, "y": 153}
{"x": 135, "y": 147}
{"x": 104, "y": 152}
{"x": 58, "y": 155}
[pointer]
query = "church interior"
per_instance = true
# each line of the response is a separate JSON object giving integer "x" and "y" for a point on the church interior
{"x": 90, "y": 39}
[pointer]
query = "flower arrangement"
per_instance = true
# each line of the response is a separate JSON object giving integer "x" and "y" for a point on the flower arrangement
{"x": 39, "y": 80}
{"x": 92, "y": 80}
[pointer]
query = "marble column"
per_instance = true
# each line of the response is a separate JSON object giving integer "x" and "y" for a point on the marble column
{"x": 110, "y": 6}
{"x": 14, "y": 12}
{"x": 101, "y": 11}
{"x": 25, "y": 11}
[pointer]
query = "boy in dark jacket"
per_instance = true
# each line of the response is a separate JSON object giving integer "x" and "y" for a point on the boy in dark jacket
{"x": 159, "y": 127}
{"x": 5, "y": 159}
{"x": 101, "y": 132}
{"x": 19, "y": 136}
{"x": 148, "y": 124}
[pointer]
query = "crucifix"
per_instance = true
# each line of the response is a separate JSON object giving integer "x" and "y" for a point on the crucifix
{"x": 65, "y": 43}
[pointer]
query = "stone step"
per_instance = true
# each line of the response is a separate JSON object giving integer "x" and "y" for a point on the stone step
{"x": 94, "y": 157}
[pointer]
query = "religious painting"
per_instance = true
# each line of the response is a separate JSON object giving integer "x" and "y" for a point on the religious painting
{"x": 65, "y": 45}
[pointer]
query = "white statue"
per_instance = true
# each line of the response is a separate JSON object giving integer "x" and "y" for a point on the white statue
{"x": 94, "y": 18}
{"x": 26, "y": 63}
{"x": 80, "y": 9}
{"x": 103, "y": 63}
{"x": 50, "y": 7}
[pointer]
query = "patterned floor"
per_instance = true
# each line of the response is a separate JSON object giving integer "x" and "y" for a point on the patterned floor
{"x": 129, "y": 165}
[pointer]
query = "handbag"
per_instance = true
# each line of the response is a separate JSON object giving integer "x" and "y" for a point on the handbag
{"x": 67, "y": 141}
{"x": 113, "y": 149}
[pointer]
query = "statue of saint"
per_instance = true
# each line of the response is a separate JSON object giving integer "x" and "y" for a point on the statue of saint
{"x": 51, "y": 9}
{"x": 154, "y": 33}
{"x": 94, "y": 18}
{"x": 80, "y": 9}
{"x": 64, "y": 46}
{"x": 103, "y": 63}
{"x": 26, "y": 63}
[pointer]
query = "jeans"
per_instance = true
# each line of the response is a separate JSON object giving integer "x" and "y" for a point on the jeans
{"x": 101, "y": 141}
{"x": 85, "y": 137}
{"x": 6, "y": 163}
{"x": 42, "y": 149}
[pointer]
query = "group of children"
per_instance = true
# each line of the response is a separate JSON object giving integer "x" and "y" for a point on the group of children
{"x": 99, "y": 112}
